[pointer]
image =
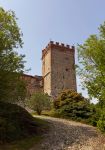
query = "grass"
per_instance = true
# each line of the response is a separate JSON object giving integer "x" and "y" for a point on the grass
{"x": 24, "y": 144}
{"x": 45, "y": 113}
{"x": 27, "y": 143}
{"x": 18, "y": 128}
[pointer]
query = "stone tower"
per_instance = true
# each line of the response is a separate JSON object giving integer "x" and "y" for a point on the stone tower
{"x": 58, "y": 68}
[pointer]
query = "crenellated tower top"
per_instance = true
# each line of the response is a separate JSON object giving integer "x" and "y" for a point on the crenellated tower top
{"x": 57, "y": 45}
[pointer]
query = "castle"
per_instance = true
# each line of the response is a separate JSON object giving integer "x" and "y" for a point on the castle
{"x": 58, "y": 70}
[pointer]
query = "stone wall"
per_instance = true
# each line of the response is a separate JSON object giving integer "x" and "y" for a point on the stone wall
{"x": 34, "y": 83}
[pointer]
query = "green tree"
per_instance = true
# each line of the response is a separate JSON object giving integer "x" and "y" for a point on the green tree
{"x": 39, "y": 102}
{"x": 11, "y": 64}
{"x": 101, "y": 121}
{"x": 71, "y": 104}
{"x": 92, "y": 65}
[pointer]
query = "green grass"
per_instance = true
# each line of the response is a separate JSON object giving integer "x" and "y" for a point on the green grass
{"x": 19, "y": 130}
{"x": 24, "y": 144}
{"x": 27, "y": 143}
{"x": 45, "y": 113}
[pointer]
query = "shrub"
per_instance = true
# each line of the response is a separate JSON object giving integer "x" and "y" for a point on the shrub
{"x": 101, "y": 122}
{"x": 73, "y": 105}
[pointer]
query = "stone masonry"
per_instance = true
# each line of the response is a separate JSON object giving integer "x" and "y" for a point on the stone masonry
{"x": 34, "y": 83}
{"x": 58, "y": 70}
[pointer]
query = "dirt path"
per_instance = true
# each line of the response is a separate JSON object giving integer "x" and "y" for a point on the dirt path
{"x": 70, "y": 135}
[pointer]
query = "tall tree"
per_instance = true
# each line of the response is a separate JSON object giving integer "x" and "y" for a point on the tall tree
{"x": 92, "y": 64}
{"x": 11, "y": 64}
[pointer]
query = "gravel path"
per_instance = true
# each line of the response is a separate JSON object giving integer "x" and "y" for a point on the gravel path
{"x": 70, "y": 135}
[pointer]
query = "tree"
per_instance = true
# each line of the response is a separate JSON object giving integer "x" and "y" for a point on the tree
{"x": 11, "y": 64}
{"x": 92, "y": 65}
{"x": 39, "y": 102}
{"x": 72, "y": 105}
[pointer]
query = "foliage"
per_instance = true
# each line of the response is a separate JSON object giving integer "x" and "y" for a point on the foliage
{"x": 23, "y": 144}
{"x": 11, "y": 64}
{"x": 70, "y": 104}
{"x": 101, "y": 121}
{"x": 95, "y": 114}
{"x": 17, "y": 124}
{"x": 39, "y": 101}
{"x": 92, "y": 65}
{"x": 21, "y": 93}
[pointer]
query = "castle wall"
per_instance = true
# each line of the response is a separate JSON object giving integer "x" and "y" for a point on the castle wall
{"x": 33, "y": 83}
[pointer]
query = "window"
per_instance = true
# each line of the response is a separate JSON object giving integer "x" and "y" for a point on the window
{"x": 67, "y": 69}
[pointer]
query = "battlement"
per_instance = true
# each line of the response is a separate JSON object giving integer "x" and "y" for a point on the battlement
{"x": 61, "y": 45}
{"x": 57, "y": 45}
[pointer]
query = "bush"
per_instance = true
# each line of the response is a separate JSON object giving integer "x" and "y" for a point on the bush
{"x": 73, "y": 105}
{"x": 96, "y": 112}
{"x": 101, "y": 122}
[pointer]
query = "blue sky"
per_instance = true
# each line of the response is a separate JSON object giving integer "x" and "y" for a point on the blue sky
{"x": 67, "y": 21}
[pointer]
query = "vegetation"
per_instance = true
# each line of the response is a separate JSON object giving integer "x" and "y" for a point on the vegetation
{"x": 39, "y": 102}
{"x": 23, "y": 144}
{"x": 92, "y": 65}
{"x": 16, "y": 123}
{"x": 101, "y": 121}
{"x": 92, "y": 70}
{"x": 72, "y": 105}
{"x": 11, "y": 64}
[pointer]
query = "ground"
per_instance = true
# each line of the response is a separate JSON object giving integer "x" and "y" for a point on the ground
{"x": 70, "y": 135}
{"x": 60, "y": 134}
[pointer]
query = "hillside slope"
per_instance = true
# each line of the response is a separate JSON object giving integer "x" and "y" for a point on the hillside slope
{"x": 16, "y": 123}
{"x": 70, "y": 135}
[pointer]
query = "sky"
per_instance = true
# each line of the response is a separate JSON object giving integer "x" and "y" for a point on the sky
{"x": 67, "y": 21}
